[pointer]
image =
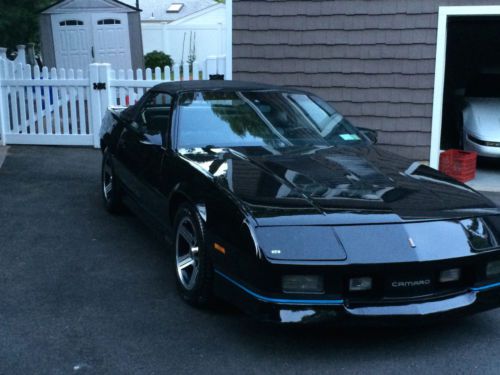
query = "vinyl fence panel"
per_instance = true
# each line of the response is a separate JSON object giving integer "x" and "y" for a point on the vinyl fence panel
{"x": 66, "y": 107}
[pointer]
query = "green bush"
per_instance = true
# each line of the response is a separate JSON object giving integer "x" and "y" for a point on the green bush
{"x": 157, "y": 58}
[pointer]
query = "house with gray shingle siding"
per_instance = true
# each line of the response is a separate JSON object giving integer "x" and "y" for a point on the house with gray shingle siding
{"x": 374, "y": 60}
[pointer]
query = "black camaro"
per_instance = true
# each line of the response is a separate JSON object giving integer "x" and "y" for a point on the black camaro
{"x": 275, "y": 202}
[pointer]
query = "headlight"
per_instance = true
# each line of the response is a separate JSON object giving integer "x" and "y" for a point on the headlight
{"x": 292, "y": 243}
{"x": 450, "y": 275}
{"x": 484, "y": 143}
{"x": 493, "y": 269}
{"x": 302, "y": 284}
{"x": 359, "y": 284}
{"x": 480, "y": 236}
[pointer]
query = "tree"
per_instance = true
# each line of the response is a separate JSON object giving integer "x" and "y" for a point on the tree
{"x": 157, "y": 58}
{"x": 19, "y": 22}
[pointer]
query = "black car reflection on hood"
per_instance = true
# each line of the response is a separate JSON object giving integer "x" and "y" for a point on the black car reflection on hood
{"x": 331, "y": 179}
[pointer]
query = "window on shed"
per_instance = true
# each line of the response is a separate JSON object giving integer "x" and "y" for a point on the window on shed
{"x": 175, "y": 8}
{"x": 109, "y": 21}
{"x": 71, "y": 23}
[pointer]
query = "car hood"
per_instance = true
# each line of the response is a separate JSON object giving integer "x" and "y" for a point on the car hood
{"x": 482, "y": 118}
{"x": 336, "y": 185}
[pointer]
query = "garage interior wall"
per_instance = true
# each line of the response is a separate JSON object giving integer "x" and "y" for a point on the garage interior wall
{"x": 471, "y": 53}
{"x": 373, "y": 60}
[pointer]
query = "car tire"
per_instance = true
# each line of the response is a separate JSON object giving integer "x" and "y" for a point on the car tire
{"x": 193, "y": 266}
{"x": 110, "y": 186}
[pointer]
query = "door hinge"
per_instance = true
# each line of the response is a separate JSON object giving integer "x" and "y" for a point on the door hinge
{"x": 99, "y": 85}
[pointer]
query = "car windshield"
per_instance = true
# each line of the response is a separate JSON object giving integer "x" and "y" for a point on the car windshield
{"x": 274, "y": 119}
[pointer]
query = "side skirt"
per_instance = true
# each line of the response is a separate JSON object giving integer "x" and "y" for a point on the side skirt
{"x": 160, "y": 229}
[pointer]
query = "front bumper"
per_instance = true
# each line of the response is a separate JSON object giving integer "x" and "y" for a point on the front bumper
{"x": 482, "y": 150}
{"x": 291, "y": 310}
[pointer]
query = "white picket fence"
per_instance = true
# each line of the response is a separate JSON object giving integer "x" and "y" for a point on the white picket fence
{"x": 58, "y": 107}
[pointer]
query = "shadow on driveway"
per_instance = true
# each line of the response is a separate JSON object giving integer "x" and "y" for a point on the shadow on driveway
{"x": 85, "y": 292}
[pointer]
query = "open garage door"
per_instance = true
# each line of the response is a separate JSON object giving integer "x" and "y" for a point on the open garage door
{"x": 470, "y": 93}
{"x": 471, "y": 100}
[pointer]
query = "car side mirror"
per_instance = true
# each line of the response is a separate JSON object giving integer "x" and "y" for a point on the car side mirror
{"x": 371, "y": 134}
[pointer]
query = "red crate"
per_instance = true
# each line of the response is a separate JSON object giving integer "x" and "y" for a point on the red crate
{"x": 461, "y": 165}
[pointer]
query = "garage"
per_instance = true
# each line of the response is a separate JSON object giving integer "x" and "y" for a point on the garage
{"x": 468, "y": 64}
{"x": 76, "y": 33}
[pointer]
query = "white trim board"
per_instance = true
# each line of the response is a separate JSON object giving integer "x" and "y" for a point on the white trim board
{"x": 229, "y": 40}
{"x": 73, "y": 6}
{"x": 440, "y": 70}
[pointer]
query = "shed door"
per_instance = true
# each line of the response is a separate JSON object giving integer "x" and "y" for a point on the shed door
{"x": 111, "y": 39}
{"x": 72, "y": 40}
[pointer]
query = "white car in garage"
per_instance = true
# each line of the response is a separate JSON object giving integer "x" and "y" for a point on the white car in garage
{"x": 481, "y": 117}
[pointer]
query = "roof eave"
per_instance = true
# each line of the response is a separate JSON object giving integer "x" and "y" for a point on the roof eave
{"x": 62, "y": 1}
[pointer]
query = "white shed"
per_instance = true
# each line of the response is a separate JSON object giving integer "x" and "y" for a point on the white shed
{"x": 75, "y": 33}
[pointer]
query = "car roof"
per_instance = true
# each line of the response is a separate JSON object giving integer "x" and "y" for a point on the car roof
{"x": 173, "y": 88}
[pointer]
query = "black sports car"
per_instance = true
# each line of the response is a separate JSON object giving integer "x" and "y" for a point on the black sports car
{"x": 275, "y": 202}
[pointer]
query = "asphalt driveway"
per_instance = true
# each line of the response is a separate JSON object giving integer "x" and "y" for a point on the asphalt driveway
{"x": 85, "y": 292}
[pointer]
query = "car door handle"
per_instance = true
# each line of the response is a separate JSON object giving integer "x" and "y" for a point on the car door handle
{"x": 92, "y": 52}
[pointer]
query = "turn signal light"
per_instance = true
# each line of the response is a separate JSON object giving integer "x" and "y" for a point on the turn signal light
{"x": 359, "y": 284}
{"x": 450, "y": 275}
{"x": 302, "y": 284}
{"x": 219, "y": 248}
{"x": 493, "y": 269}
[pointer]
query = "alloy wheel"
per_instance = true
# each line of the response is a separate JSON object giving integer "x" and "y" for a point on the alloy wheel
{"x": 186, "y": 253}
{"x": 107, "y": 181}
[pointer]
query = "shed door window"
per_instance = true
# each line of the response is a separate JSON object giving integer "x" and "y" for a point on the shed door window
{"x": 109, "y": 21}
{"x": 71, "y": 23}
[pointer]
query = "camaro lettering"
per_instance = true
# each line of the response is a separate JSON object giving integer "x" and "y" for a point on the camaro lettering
{"x": 406, "y": 284}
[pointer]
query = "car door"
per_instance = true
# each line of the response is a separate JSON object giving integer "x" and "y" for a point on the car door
{"x": 141, "y": 152}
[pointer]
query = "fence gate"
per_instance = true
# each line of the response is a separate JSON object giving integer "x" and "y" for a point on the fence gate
{"x": 59, "y": 107}
{"x": 42, "y": 107}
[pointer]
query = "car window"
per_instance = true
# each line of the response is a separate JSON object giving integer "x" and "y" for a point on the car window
{"x": 154, "y": 116}
{"x": 208, "y": 119}
{"x": 272, "y": 119}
